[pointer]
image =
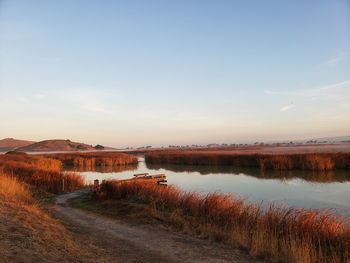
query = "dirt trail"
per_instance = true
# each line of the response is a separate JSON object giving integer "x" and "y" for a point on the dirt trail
{"x": 151, "y": 243}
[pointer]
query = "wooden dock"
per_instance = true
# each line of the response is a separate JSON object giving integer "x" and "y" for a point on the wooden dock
{"x": 159, "y": 179}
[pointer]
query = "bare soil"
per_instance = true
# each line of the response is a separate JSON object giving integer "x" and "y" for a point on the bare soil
{"x": 130, "y": 242}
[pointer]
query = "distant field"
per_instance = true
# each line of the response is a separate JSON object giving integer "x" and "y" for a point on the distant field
{"x": 268, "y": 149}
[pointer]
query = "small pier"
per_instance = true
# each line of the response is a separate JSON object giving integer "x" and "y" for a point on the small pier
{"x": 159, "y": 179}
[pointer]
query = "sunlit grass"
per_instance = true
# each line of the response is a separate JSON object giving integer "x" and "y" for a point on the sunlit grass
{"x": 276, "y": 233}
{"x": 42, "y": 173}
{"x": 95, "y": 160}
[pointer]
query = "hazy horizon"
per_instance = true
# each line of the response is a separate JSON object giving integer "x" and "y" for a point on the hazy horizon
{"x": 133, "y": 73}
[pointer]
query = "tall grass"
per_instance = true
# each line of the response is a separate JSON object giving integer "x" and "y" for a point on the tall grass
{"x": 342, "y": 175}
{"x": 276, "y": 233}
{"x": 42, "y": 173}
{"x": 303, "y": 161}
{"x": 13, "y": 191}
{"x": 95, "y": 160}
{"x": 28, "y": 233}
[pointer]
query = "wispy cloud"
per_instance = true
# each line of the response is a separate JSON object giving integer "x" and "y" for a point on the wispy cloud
{"x": 335, "y": 91}
{"x": 287, "y": 107}
{"x": 340, "y": 90}
{"x": 338, "y": 94}
{"x": 335, "y": 60}
{"x": 271, "y": 92}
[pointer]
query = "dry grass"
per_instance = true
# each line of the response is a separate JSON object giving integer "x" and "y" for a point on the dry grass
{"x": 12, "y": 190}
{"x": 280, "y": 162}
{"x": 27, "y": 233}
{"x": 43, "y": 173}
{"x": 94, "y": 160}
{"x": 342, "y": 175}
{"x": 276, "y": 233}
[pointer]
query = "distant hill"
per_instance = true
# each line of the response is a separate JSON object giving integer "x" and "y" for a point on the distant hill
{"x": 9, "y": 144}
{"x": 58, "y": 145}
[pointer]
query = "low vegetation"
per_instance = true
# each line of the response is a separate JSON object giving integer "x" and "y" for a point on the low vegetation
{"x": 95, "y": 160}
{"x": 275, "y": 233}
{"x": 42, "y": 173}
{"x": 340, "y": 175}
{"x": 29, "y": 234}
{"x": 28, "y": 230}
{"x": 280, "y": 162}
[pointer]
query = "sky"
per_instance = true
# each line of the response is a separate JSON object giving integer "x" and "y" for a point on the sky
{"x": 154, "y": 72}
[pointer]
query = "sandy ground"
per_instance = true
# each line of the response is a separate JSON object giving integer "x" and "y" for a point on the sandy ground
{"x": 129, "y": 243}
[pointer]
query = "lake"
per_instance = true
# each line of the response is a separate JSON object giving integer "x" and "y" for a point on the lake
{"x": 292, "y": 188}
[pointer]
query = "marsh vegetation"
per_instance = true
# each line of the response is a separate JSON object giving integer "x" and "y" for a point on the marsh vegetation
{"x": 262, "y": 161}
{"x": 277, "y": 233}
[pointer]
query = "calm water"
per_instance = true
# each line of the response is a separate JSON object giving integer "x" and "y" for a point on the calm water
{"x": 299, "y": 189}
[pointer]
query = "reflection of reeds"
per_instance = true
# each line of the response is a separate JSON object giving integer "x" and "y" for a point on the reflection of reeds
{"x": 279, "y": 162}
{"x": 341, "y": 175}
{"x": 91, "y": 161}
{"x": 102, "y": 169}
{"x": 280, "y": 234}
{"x": 43, "y": 173}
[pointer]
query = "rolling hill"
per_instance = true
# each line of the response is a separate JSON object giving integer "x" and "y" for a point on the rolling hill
{"x": 9, "y": 144}
{"x": 58, "y": 145}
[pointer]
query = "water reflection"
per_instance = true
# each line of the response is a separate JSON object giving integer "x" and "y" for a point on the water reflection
{"x": 311, "y": 176}
{"x": 297, "y": 188}
{"x": 102, "y": 169}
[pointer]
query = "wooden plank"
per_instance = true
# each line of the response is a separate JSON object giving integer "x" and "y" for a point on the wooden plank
{"x": 141, "y": 174}
{"x": 161, "y": 180}
{"x": 158, "y": 176}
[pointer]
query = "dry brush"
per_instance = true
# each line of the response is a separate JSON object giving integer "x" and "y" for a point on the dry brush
{"x": 275, "y": 233}
{"x": 302, "y": 161}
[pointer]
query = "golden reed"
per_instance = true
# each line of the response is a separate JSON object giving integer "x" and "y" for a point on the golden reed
{"x": 275, "y": 233}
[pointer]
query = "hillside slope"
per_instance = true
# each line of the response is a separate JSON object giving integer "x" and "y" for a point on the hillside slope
{"x": 57, "y": 145}
{"x": 9, "y": 144}
{"x": 28, "y": 234}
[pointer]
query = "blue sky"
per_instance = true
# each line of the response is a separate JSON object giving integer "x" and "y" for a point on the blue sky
{"x": 143, "y": 72}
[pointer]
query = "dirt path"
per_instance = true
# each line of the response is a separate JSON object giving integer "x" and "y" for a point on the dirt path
{"x": 146, "y": 244}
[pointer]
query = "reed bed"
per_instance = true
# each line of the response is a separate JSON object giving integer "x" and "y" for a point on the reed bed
{"x": 43, "y": 173}
{"x": 280, "y": 162}
{"x": 93, "y": 160}
{"x": 340, "y": 175}
{"x": 275, "y": 233}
